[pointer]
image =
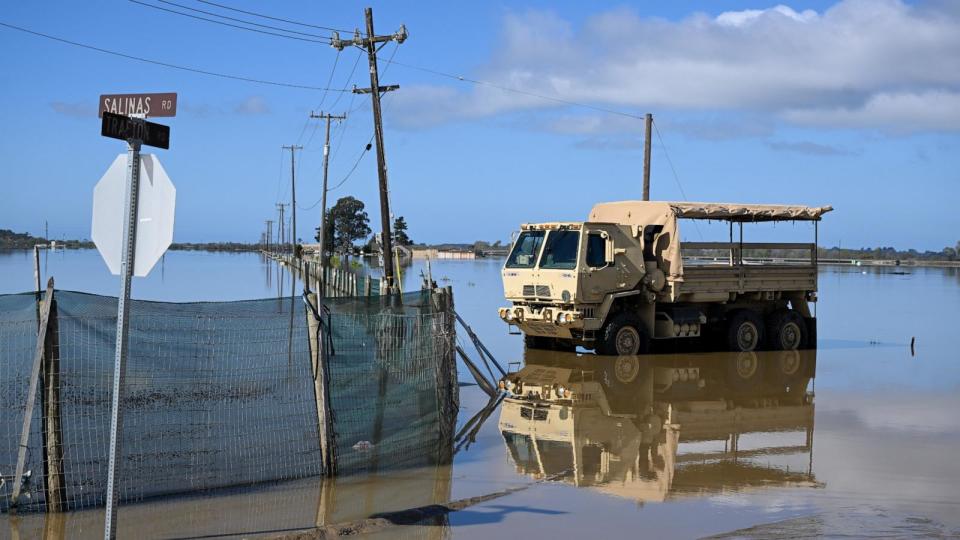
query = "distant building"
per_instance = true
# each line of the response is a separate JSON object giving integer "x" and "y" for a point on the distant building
{"x": 434, "y": 253}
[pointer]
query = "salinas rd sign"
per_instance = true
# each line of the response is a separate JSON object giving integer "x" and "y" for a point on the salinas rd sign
{"x": 145, "y": 105}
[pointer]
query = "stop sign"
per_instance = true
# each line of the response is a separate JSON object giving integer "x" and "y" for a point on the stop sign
{"x": 154, "y": 217}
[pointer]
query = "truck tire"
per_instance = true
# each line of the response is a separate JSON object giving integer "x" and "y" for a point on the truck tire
{"x": 786, "y": 330}
{"x": 745, "y": 371}
{"x": 744, "y": 331}
{"x": 624, "y": 335}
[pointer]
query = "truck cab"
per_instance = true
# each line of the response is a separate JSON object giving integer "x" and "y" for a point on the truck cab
{"x": 558, "y": 274}
{"x": 621, "y": 279}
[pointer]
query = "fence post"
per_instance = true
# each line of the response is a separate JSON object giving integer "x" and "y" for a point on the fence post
{"x": 321, "y": 386}
{"x": 52, "y": 427}
{"x": 368, "y": 285}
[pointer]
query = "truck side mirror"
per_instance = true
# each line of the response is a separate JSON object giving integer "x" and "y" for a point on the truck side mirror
{"x": 609, "y": 252}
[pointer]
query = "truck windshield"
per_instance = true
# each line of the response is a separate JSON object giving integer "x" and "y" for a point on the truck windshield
{"x": 561, "y": 250}
{"x": 526, "y": 250}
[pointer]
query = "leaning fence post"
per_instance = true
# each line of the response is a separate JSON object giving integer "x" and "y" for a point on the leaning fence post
{"x": 321, "y": 385}
{"x": 32, "y": 393}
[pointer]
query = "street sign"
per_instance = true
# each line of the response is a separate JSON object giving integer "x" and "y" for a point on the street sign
{"x": 146, "y": 105}
{"x": 125, "y": 128}
{"x": 155, "y": 214}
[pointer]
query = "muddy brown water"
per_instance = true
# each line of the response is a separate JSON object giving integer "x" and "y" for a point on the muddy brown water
{"x": 857, "y": 439}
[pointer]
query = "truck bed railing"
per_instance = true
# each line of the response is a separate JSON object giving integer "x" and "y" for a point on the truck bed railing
{"x": 749, "y": 253}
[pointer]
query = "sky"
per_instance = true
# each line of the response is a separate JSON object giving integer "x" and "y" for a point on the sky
{"x": 854, "y": 104}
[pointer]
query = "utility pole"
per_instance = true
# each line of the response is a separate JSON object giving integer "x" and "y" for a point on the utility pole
{"x": 323, "y": 198}
{"x": 370, "y": 43}
{"x": 281, "y": 236}
{"x": 269, "y": 224}
{"x": 646, "y": 156}
{"x": 293, "y": 198}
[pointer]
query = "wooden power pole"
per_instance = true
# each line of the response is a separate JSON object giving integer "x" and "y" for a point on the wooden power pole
{"x": 323, "y": 198}
{"x": 646, "y": 156}
{"x": 370, "y": 44}
{"x": 281, "y": 233}
{"x": 293, "y": 198}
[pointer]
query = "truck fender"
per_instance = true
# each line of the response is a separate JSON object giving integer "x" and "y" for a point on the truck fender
{"x": 646, "y": 311}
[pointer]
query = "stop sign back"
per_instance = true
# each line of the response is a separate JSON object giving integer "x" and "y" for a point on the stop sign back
{"x": 155, "y": 214}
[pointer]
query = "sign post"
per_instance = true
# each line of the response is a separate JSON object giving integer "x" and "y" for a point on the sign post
{"x": 123, "y": 328}
{"x": 136, "y": 132}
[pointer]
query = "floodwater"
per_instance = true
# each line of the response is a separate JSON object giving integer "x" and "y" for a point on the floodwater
{"x": 857, "y": 439}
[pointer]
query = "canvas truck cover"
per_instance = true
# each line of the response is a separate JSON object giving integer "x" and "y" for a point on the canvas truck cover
{"x": 666, "y": 213}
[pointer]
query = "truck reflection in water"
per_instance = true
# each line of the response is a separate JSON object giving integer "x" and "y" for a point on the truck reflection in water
{"x": 650, "y": 428}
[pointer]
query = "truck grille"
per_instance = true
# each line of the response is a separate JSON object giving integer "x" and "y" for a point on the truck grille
{"x": 539, "y": 291}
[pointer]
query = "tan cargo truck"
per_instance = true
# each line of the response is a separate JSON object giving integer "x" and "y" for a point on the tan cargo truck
{"x": 635, "y": 427}
{"x": 623, "y": 278}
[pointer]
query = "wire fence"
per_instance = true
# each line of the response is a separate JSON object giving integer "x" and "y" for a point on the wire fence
{"x": 222, "y": 394}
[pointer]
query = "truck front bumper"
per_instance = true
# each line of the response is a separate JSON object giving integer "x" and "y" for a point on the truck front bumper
{"x": 547, "y": 321}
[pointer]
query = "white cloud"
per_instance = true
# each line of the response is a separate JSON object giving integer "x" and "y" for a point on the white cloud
{"x": 933, "y": 110}
{"x": 748, "y": 16}
{"x": 253, "y": 105}
{"x": 855, "y": 65}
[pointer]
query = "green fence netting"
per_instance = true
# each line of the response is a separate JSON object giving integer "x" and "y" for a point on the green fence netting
{"x": 221, "y": 394}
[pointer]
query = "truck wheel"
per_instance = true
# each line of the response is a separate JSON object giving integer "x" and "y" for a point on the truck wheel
{"x": 624, "y": 335}
{"x": 744, "y": 331}
{"x": 786, "y": 330}
{"x": 744, "y": 370}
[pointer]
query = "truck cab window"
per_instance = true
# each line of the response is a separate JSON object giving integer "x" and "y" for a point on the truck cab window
{"x": 526, "y": 250}
{"x": 560, "y": 251}
{"x": 596, "y": 250}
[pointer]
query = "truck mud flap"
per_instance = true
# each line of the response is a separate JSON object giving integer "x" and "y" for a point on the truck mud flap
{"x": 811, "y": 332}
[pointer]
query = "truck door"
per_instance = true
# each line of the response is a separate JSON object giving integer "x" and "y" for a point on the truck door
{"x": 598, "y": 274}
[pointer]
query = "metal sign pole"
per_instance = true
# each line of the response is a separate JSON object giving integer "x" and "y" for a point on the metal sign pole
{"x": 123, "y": 326}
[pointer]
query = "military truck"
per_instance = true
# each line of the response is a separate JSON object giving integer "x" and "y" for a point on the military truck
{"x": 636, "y": 426}
{"x": 623, "y": 279}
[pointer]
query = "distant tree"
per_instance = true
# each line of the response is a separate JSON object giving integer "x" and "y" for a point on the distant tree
{"x": 349, "y": 223}
{"x": 400, "y": 232}
{"x": 328, "y": 241}
{"x": 479, "y": 246}
{"x": 497, "y": 244}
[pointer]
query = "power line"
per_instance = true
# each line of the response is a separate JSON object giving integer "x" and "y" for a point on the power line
{"x": 214, "y": 21}
{"x": 181, "y": 6}
{"x": 517, "y": 90}
{"x": 675, "y": 176}
{"x": 349, "y": 78}
{"x": 333, "y": 70}
{"x": 347, "y": 177}
{"x": 168, "y": 65}
{"x": 278, "y": 19}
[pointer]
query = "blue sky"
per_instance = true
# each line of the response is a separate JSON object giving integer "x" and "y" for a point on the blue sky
{"x": 854, "y": 104}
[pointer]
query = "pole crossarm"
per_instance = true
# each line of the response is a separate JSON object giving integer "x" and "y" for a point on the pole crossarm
{"x": 365, "y": 42}
{"x": 383, "y": 89}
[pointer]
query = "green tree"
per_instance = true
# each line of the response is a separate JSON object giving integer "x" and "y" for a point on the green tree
{"x": 328, "y": 241}
{"x": 348, "y": 222}
{"x": 400, "y": 232}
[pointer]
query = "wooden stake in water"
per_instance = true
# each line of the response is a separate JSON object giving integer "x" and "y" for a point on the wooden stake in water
{"x": 123, "y": 327}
